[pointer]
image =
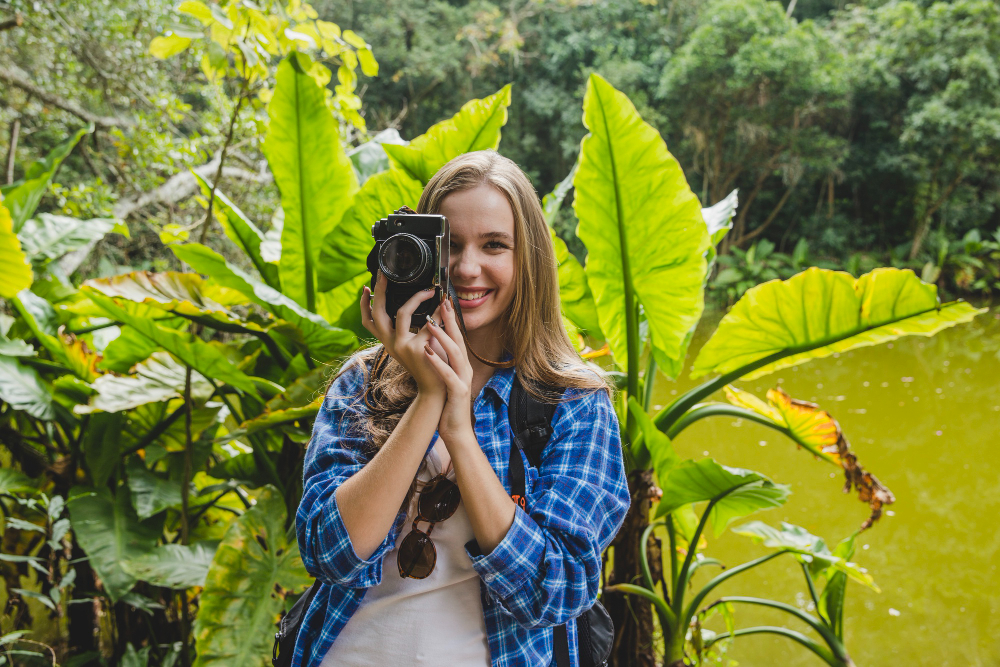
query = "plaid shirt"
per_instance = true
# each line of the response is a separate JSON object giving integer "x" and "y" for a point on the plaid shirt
{"x": 546, "y": 570}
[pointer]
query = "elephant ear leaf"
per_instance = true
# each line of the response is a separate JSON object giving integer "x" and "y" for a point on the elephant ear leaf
{"x": 22, "y": 388}
{"x": 241, "y": 231}
{"x": 818, "y": 312}
{"x": 642, "y": 225}
{"x": 15, "y": 272}
{"x": 475, "y": 127}
{"x": 22, "y": 197}
{"x": 816, "y": 431}
{"x": 732, "y": 492}
{"x": 255, "y": 567}
{"x": 312, "y": 171}
{"x": 808, "y": 549}
{"x": 110, "y": 533}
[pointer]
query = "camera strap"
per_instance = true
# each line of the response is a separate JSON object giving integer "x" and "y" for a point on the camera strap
{"x": 461, "y": 325}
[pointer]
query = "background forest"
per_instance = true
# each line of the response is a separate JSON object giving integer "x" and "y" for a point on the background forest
{"x": 857, "y": 135}
{"x": 186, "y": 196}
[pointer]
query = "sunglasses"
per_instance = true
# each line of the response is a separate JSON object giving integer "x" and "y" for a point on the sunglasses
{"x": 417, "y": 556}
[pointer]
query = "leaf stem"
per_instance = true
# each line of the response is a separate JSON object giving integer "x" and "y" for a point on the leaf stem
{"x": 824, "y": 654}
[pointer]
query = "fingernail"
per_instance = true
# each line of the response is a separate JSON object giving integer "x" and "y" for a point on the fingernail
{"x": 428, "y": 350}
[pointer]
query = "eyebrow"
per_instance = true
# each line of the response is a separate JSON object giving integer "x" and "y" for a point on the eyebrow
{"x": 497, "y": 235}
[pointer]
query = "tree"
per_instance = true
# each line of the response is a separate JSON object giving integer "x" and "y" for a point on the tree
{"x": 757, "y": 97}
{"x": 930, "y": 76}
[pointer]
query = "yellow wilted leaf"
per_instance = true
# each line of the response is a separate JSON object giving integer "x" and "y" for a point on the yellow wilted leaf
{"x": 14, "y": 268}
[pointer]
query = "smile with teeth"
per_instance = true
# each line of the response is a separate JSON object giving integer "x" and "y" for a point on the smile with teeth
{"x": 471, "y": 296}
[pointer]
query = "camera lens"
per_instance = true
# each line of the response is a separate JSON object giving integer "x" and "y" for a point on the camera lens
{"x": 404, "y": 258}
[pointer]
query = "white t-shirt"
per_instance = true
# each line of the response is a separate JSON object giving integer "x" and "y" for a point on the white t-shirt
{"x": 432, "y": 621}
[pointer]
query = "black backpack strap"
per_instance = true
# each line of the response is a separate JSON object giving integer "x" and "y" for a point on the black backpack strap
{"x": 531, "y": 428}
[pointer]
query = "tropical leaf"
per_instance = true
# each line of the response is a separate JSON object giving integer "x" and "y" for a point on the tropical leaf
{"x": 719, "y": 218}
{"x": 656, "y": 444}
{"x": 151, "y": 494}
{"x": 174, "y": 565}
{"x": 818, "y": 432}
{"x": 324, "y": 342}
{"x": 552, "y": 202}
{"x": 820, "y": 312}
{"x": 475, "y": 127}
{"x": 807, "y": 548}
{"x": 255, "y": 567}
{"x": 242, "y": 232}
{"x": 23, "y": 389}
{"x": 642, "y": 226}
{"x": 48, "y": 237}
{"x": 734, "y": 492}
{"x": 102, "y": 446}
{"x": 110, "y": 534}
{"x": 15, "y": 271}
{"x": 182, "y": 293}
{"x": 151, "y": 417}
{"x": 272, "y": 418}
{"x": 191, "y": 350}
{"x": 125, "y": 351}
{"x": 159, "y": 378}
{"x": 242, "y": 468}
{"x": 21, "y": 197}
{"x": 370, "y": 158}
{"x": 312, "y": 171}
{"x": 15, "y": 347}
{"x": 345, "y": 249}
{"x": 13, "y": 481}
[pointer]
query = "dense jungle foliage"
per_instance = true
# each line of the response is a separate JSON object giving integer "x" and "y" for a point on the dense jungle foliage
{"x": 180, "y": 275}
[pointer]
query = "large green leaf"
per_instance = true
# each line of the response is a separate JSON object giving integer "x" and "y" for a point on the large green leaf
{"x": 15, "y": 272}
{"x": 22, "y": 197}
{"x": 174, "y": 565}
{"x": 312, "y": 171}
{"x": 23, "y": 389}
{"x": 656, "y": 444}
{"x": 242, "y": 232}
{"x": 191, "y": 350}
{"x": 110, "y": 533}
{"x": 820, "y": 312}
{"x": 807, "y": 548}
{"x": 324, "y": 342}
{"x": 48, "y": 237}
{"x": 186, "y": 294}
{"x": 151, "y": 494}
{"x": 642, "y": 226}
{"x": 736, "y": 492}
{"x": 159, "y": 378}
{"x": 255, "y": 567}
{"x": 14, "y": 481}
{"x": 346, "y": 248}
{"x": 125, "y": 351}
{"x": 475, "y": 127}
{"x": 102, "y": 446}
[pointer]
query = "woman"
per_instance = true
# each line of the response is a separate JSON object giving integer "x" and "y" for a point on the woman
{"x": 386, "y": 438}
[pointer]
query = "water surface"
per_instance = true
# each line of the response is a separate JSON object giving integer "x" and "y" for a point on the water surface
{"x": 923, "y": 415}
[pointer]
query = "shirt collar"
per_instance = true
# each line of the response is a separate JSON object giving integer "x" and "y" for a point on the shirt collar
{"x": 502, "y": 380}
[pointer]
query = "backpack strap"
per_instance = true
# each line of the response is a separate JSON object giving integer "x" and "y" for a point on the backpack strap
{"x": 531, "y": 428}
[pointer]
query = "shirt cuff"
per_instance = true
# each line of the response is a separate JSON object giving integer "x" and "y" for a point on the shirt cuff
{"x": 514, "y": 560}
{"x": 339, "y": 554}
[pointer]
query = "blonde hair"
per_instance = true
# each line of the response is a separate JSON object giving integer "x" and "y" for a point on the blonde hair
{"x": 532, "y": 327}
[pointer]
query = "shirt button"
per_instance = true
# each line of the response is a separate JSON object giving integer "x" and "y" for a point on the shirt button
{"x": 490, "y": 577}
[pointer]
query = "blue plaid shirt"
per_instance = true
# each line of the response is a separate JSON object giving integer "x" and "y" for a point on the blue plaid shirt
{"x": 546, "y": 570}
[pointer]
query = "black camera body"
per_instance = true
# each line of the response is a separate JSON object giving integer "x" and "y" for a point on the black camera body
{"x": 412, "y": 250}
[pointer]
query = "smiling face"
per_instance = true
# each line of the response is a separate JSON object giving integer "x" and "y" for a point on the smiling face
{"x": 482, "y": 254}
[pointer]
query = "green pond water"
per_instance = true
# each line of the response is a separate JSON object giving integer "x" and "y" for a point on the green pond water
{"x": 923, "y": 415}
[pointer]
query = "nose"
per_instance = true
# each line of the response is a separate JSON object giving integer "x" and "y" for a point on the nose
{"x": 464, "y": 266}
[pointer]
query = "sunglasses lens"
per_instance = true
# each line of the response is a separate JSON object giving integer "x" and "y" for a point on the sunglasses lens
{"x": 439, "y": 499}
{"x": 417, "y": 556}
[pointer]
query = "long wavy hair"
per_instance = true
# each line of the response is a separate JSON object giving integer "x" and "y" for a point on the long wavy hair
{"x": 531, "y": 328}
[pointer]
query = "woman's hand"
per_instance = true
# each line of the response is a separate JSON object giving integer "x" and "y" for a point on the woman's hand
{"x": 405, "y": 347}
{"x": 455, "y": 372}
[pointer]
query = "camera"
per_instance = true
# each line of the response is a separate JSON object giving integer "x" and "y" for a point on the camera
{"x": 411, "y": 249}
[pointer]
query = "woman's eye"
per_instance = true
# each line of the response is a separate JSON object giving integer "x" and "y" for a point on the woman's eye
{"x": 497, "y": 245}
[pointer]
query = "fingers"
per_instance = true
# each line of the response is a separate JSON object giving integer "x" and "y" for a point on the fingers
{"x": 405, "y": 311}
{"x": 381, "y": 320}
{"x": 366, "y": 310}
{"x": 452, "y": 329}
{"x": 440, "y": 335}
{"x": 451, "y": 380}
